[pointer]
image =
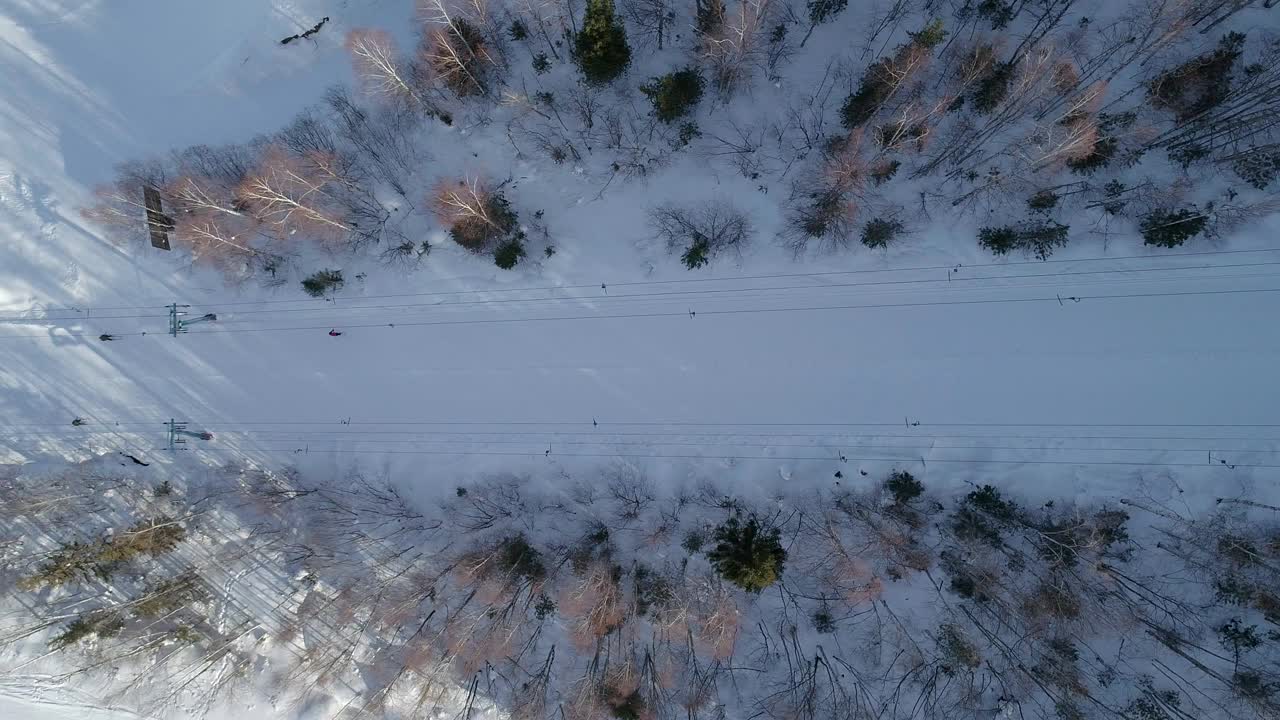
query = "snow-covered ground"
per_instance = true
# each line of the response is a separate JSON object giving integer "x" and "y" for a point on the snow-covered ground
{"x": 74, "y": 105}
{"x": 1065, "y": 379}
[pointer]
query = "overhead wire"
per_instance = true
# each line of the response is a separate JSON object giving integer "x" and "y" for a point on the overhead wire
{"x": 832, "y": 436}
{"x": 947, "y": 284}
{"x": 605, "y": 422}
{"x": 535, "y": 453}
{"x": 629, "y": 316}
{"x": 852, "y": 442}
{"x": 769, "y": 276}
{"x": 259, "y": 439}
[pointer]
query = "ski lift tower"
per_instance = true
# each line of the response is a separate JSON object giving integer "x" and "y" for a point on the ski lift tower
{"x": 178, "y": 325}
{"x": 178, "y": 434}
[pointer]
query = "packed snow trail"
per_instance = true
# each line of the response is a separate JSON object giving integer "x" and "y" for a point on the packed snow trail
{"x": 73, "y": 109}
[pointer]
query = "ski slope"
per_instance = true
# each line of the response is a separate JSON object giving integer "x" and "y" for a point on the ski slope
{"x": 1162, "y": 340}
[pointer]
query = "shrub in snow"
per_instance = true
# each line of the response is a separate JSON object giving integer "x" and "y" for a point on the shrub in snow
{"x": 1171, "y": 228}
{"x": 968, "y": 579}
{"x": 601, "y": 48}
{"x": 545, "y": 607}
{"x": 675, "y": 94}
{"x": 822, "y": 620}
{"x": 1199, "y": 84}
{"x": 749, "y": 555}
{"x": 629, "y": 707}
{"x": 1258, "y": 169}
{"x": 1043, "y": 201}
{"x": 652, "y": 589}
{"x": 821, "y": 11}
{"x": 903, "y": 486}
{"x": 883, "y": 171}
{"x": 510, "y": 562}
{"x": 322, "y": 283}
{"x": 1099, "y": 157}
{"x": 1106, "y": 147}
{"x": 1051, "y": 600}
{"x": 998, "y": 12}
{"x": 982, "y": 516}
{"x": 693, "y": 542}
{"x": 519, "y": 559}
{"x": 1034, "y": 238}
{"x": 509, "y": 253}
{"x": 879, "y": 232}
{"x": 957, "y": 652}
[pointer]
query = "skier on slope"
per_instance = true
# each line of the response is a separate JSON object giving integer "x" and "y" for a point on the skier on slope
{"x": 106, "y": 338}
{"x": 334, "y": 333}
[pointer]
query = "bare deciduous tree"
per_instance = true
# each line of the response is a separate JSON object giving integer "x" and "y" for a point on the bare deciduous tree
{"x": 377, "y": 64}
{"x": 292, "y": 195}
{"x": 738, "y": 46}
{"x": 461, "y": 48}
{"x": 593, "y": 605}
{"x": 653, "y": 19}
{"x": 701, "y": 231}
{"x": 823, "y": 205}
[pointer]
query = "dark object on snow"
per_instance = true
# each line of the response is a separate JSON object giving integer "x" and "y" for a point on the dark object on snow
{"x": 159, "y": 224}
{"x": 863, "y": 473}
{"x": 135, "y": 460}
{"x": 106, "y": 338}
{"x": 78, "y": 422}
{"x": 334, "y": 333}
{"x": 839, "y": 474}
{"x": 306, "y": 34}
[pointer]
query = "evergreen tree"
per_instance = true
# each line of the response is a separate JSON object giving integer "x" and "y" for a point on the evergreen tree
{"x": 675, "y": 94}
{"x": 322, "y": 282}
{"x": 1034, "y": 238}
{"x": 601, "y": 48}
{"x": 999, "y": 240}
{"x": 878, "y": 232}
{"x": 698, "y": 254}
{"x": 1043, "y": 200}
{"x": 509, "y": 253}
{"x": 1199, "y": 84}
{"x": 821, "y": 11}
{"x": 748, "y": 555}
{"x": 1169, "y": 228}
{"x": 992, "y": 89}
{"x": 903, "y": 486}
